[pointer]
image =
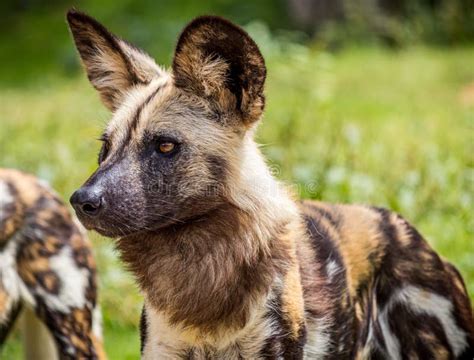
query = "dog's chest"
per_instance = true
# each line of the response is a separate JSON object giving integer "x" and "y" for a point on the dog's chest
{"x": 163, "y": 341}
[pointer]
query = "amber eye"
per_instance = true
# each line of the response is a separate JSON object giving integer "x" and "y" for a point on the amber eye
{"x": 166, "y": 147}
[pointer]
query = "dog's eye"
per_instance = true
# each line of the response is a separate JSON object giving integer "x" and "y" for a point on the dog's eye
{"x": 166, "y": 147}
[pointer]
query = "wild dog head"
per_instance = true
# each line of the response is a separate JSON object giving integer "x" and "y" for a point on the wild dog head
{"x": 176, "y": 139}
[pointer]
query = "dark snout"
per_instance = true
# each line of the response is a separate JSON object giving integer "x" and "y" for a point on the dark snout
{"x": 87, "y": 201}
{"x": 109, "y": 202}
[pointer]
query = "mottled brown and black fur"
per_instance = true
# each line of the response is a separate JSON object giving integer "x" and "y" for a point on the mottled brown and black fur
{"x": 230, "y": 265}
{"x": 47, "y": 266}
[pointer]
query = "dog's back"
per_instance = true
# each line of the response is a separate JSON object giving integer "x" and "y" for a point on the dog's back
{"x": 46, "y": 265}
{"x": 388, "y": 294}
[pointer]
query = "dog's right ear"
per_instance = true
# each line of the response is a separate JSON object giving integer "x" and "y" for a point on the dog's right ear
{"x": 113, "y": 66}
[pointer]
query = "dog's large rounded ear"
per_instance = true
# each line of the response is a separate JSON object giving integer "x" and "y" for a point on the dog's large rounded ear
{"x": 113, "y": 66}
{"x": 219, "y": 61}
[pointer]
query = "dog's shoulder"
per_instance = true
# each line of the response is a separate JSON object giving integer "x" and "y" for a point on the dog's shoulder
{"x": 346, "y": 238}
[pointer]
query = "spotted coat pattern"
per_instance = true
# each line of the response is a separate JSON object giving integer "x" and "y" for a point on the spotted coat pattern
{"x": 391, "y": 295}
{"x": 46, "y": 264}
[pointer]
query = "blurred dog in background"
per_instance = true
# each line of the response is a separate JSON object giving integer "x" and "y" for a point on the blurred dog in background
{"x": 47, "y": 271}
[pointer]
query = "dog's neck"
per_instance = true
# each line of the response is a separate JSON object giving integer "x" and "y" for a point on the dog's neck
{"x": 210, "y": 273}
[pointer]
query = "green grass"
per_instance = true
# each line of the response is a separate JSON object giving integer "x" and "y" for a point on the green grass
{"x": 363, "y": 125}
{"x": 122, "y": 342}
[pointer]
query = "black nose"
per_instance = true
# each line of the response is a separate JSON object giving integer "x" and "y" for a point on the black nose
{"x": 87, "y": 201}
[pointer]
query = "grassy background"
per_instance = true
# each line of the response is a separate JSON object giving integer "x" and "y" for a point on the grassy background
{"x": 364, "y": 124}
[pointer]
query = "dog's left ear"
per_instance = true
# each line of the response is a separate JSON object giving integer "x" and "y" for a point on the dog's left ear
{"x": 217, "y": 60}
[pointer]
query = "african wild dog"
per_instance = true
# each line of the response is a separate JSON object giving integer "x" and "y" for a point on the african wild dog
{"x": 46, "y": 267}
{"x": 230, "y": 266}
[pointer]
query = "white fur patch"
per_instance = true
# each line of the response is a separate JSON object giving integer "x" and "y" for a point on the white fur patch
{"x": 5, "y": 194}
{"x": 425, "y": 302}
{"x": 332, "y": 268}
{"x": 9, "y": 276}
{"x": 391, "y": 341}
{"x": 162, "y": 340}
{"x": 318, "y": 340}
{"x": 6, "y": 197}
{"x": 370, "y": 344}
{"x": 97, "y": 322}
{"x": 73, "y": 283}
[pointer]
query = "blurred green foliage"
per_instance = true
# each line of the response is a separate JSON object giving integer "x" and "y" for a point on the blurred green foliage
{"x": 398, "y": 23}
{"x": 364, "y": 124}
{"x": 34, "y": 39}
